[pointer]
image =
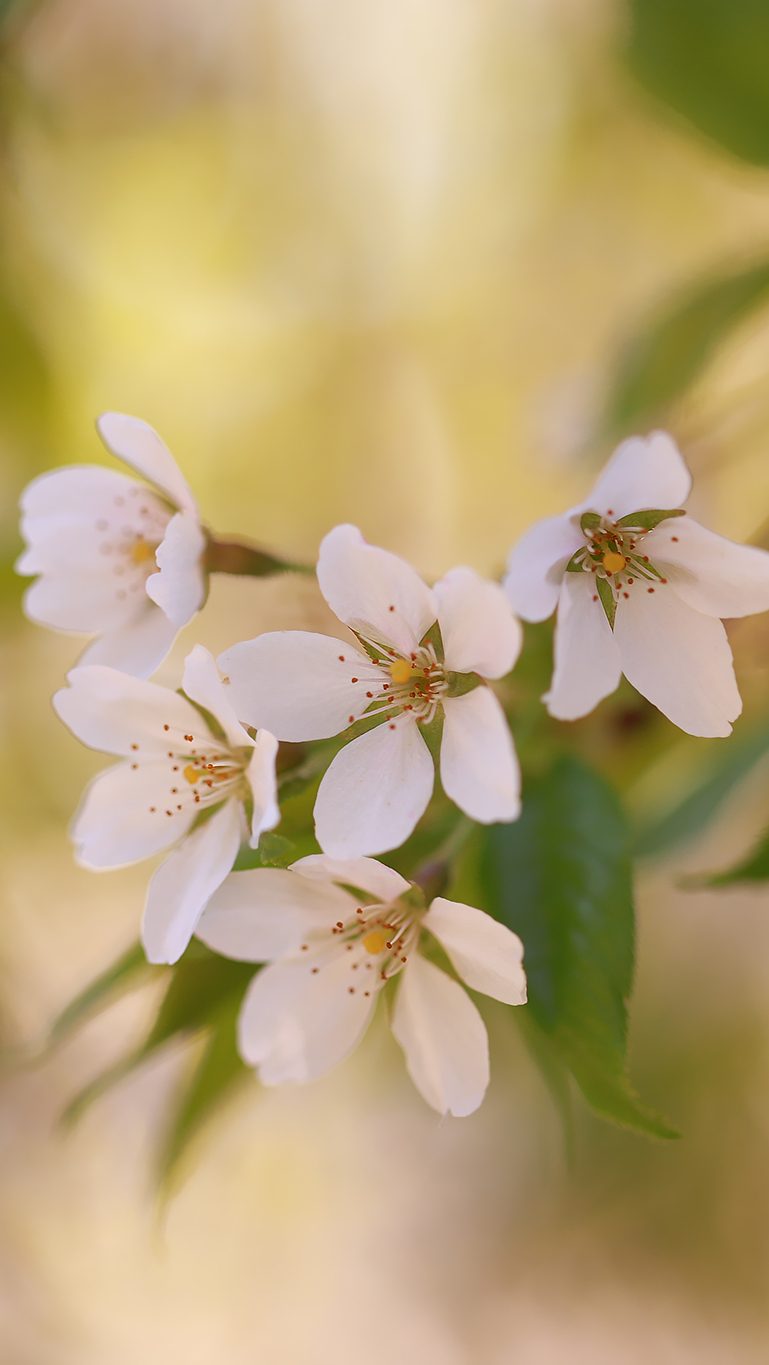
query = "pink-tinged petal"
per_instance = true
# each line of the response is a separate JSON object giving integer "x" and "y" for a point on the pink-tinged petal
{"x": 587, "y": 658}
{"x": 298, "y": 685}
{"x": 536, "y": 566}
{"x": 296, "y": 1025}
{"x": 202, "y": 684}
{"x": 368, "y": 586}
{"x": 479, "y": 632}
{"x": 118, "y": 714}
{"x": 179, "y": 588}
{"x": 181, "y": 886}
{"x": 366, "y": 873}
{"x": 479, "y": 766}
{"x": 137, "y": 648}
{"x": 644, "y": 471}
{"x": 443, "y": 1037}
{"x": 487, "y": 955}
{"x": 260, "y": 775}
{"x": 678, "y": 659}
{"x": 265, "y": 913}
{"x": 70, "y": 515}
{"x": 138, "y": 444}
{"x": 374, "y": 791}
{"x": 711, "y": 574}
{"x": 122, "y": 817}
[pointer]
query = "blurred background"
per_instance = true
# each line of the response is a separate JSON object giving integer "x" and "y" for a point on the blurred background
{"x": 415, "y": 265}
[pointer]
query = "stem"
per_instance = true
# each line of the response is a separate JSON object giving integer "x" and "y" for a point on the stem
{"x": 238, "y": 557}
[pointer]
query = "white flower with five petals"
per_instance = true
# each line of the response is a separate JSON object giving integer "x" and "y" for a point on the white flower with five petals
{"x": 303, "y": 686}
{"x": 175, "y": 768}
{"x": 639, "y": 594}
{"x": 115, "y": 557}
{"x": 331, "y": 949}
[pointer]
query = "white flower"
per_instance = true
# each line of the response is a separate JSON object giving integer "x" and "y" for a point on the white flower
{"x": 302, "y": 686}
{"x": 115, "y": 557}
{"x": 665, "y": 581}
{"x": 331, "y": 951}
{"x": 175, "y": 769}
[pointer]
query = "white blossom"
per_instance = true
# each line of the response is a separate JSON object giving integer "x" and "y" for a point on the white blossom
{"x": 179, "y": 786}
{"x": 331, "y": 949}
{"x": 115, "y": 557}
{"x": 639, "y": 594}
{"x": 303, "y": 686}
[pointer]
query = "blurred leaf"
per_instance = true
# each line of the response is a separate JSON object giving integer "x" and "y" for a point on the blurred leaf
{"x": 666, "y": 358}
{"x": 217, "y": 1073}
{"x": 708, "y": 61}
{"x": 554, "y": 1072}
{"x": 697, "y": 808}
{"x": 275, "y": 850}
{"x": 754, "y": 868}
{"x": 561, "y": 878}
{"x": 129, "y": 972}
{"x": 201, "y": 987}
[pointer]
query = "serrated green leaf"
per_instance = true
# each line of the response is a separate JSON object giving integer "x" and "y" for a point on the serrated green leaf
{"x": 129, "y": 972}
{"x": 560, "y": 877}
{"x": 673, "y": 350}
{"x": 589, "y": 521}
{"x": 708, "y": 62}
{"x": 694, "y": 811}
{"x": 608, "y": 600}
{"x": 217, "y": 1074}
{"x": 650, "y": 517}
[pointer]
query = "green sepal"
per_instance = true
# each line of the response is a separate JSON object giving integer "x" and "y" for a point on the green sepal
{"x": 608, "y": 600}
{"x": 275, "y": 850}
{"x": 575, "y": 564}
{"x": 461, "y": 683}
{"x": 590, "y": 521}
{"x": 432, "y": 733}
{"x": 650, "y": 517}
{"x": 433, "y": 637}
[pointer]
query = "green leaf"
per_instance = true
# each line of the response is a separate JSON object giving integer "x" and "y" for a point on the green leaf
{"x": 608, "y": 600}
{"x": 590, "y": 521}
{"x": 670, "y": 354}
{"x": 697, "y": 808}
{"x": 217, "y": 1074}
{"x": 708, "y": 62}
{"x": 560, "y": 877}
{"x": 650, "y": 517}
{"x": 130, "y": 971}
{"x": 754, "y": 868}
{"x": 275, "y": 850}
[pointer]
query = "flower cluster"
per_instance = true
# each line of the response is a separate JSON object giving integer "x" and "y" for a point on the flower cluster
{"x": 406, "y": 687}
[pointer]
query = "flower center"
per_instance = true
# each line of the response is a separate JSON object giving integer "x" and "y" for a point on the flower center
{"x": 395, "y": 684}
{"x": 376, "y": 943}
{"x": 194, "y": 775}
{"x": 141, "y": 551}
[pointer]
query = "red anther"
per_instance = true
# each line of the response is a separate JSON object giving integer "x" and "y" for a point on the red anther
{"x": 626, "y": 594}
{"x": 341, "y": 658}
{"x": 392, "y": 608}
{"x": 168, "y": 812}
{"x": 369, "y": 694}
{"x": 392, "y": 727}
{"x": 314, "y": 970}
{"x": 674, "y": 537}
{"x": 304, "y": 947}
{"x": 630, "y": 580}
{"x": 663, "y": 580}
{"x": 152, "y": 810}
{"x": 134, "y": 765}
{"x": 645, "y": 559}
{"x": 134, "y": 746}
{"x": 351, "y": 989}
{"x": 166, "y": 727}
{"x": 339, "y": 924}
{"x": 650, "y": 589}
{"x": 351, "y": 719}
{"x": 413, "y": 657}
{"x": 353, "y": 679}
{"x": 170, "y": 753}
{"x": 595, "y": 599}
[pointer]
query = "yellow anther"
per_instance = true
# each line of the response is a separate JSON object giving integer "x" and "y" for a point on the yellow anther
{"x": 613, "y": 562}
{"x": 141, "y": 551}
{"x": 400, "y": 671}
{"x": 192, "y": 774}
{"x": 374, "y": 943}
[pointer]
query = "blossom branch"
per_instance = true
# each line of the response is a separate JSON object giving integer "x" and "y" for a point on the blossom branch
{"x": 238, "y": 557}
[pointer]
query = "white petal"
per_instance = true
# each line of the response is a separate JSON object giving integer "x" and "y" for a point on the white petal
{"x": 295, "y": 1026}
{"x": 644, "y": 471}
{"x": 70, "y": 514}
{"x": 479, "y": 632}
{"x": 374, "y": 791}
{"x": 443, "y": 1037}
{"x": 296, "y": 684}
{"x": 366, "y": 585}
{"x": 260, "y": 775}
{"x": 179, "y": 588}
{"x": 139, "y": 445}
{"x": 202, "y": 684}
{"x": 479, "y": 767}
{"x": 536, "y": 566}
{"x": 181, "y": 886}
{"x": 365, "y": 873}
{"x": 587, "y": 659}
{"x": 137, "y": 648}
{"x": 118, "y": 714}
{"x": 711, "y": 574}
{"x": 115, "y": 823}
{"x": 486, "y": 954}
{"x": 678, "y": 659}
{"x": 81, "y": 601}
{"x": 265, "y": 913}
